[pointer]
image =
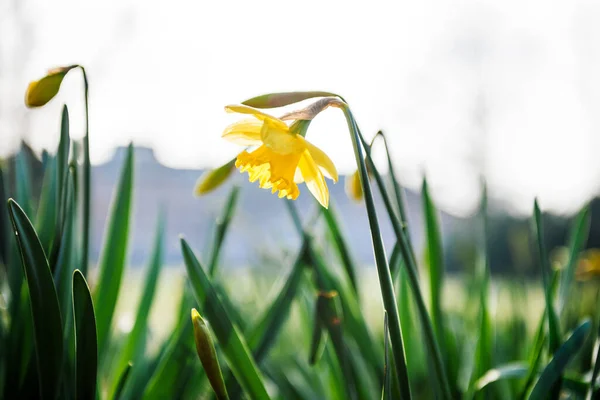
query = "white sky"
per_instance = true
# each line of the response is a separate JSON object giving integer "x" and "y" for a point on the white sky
{"x": 511, "y": 86}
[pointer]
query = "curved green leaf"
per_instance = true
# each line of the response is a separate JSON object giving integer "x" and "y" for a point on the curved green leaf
{"x": 221, "y": 229}
{"x": 123, "y": 378}
{"x": 112, "y": 261}
{"x": 134, "y": 347}
{"x": 86, "y": 346}
{"x": 510, "y": 371}
{"x": 435, "y": 262}
{"x": 238, "y": 355}
{"x": 45, "y": 309}
{"x": 553, "y": 371}
{"x": 553, "y": 327}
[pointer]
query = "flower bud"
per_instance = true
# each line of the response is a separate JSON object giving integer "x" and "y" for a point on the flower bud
{"x": 208, "y": 355}
{"x": 214, "y": 178}
{"x": 42, "y": 91}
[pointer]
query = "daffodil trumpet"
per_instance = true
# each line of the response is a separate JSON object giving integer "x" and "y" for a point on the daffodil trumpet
{"x": 280, "y": 156}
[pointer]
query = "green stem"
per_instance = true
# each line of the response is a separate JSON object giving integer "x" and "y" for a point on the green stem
{"x": 87, "y": 178}
{"x": 395, "y": 184}
{"x": 383, "y": 271}
{"x": 410, "y": 262}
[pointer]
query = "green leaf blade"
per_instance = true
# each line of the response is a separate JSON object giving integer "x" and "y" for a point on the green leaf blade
{"x": 112, "y": 261}
{"x": 232, "y": 343}
{"x": 86, "y": 345}
{"x": 45, "y": 309}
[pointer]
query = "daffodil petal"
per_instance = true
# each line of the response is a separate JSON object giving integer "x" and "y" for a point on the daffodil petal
{"x": 323, "y": 161}
{"x": 315, "y": 182}
{"x": 244, "y": 133}
{"x": 298, "y": 178}
{"x": 242, "y": 109}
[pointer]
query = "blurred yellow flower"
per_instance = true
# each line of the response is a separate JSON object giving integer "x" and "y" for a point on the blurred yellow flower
{"x": 589, "y": 265}
{"x": 283, "y": 157}
{"x": 353, "y": 187}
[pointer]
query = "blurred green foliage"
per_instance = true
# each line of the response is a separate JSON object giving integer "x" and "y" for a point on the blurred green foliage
{"x": 320, "y": 331}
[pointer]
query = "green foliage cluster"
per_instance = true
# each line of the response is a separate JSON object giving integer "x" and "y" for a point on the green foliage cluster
{"x": 57, "y": 339}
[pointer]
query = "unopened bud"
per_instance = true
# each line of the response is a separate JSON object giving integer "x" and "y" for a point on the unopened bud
{"x": 42, "y": 91}
{"x": 214, "y": 178}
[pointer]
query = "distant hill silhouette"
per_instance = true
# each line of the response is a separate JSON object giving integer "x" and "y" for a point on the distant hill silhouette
{"x": 261, "y": 223}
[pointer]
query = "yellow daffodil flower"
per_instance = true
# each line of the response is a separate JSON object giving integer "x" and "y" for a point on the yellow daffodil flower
{"x": 282, "y": 159}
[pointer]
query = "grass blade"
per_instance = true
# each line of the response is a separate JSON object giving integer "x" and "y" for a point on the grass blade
{"x": 133, "y": 349}
{"x": 86, "y": 345}
{"x": 510, "y": 371}
{"x": 122, "y": 381}
{"x": 342, "y": 247}
{"x": 232, "y": 343}
{"x": 4, "y": 225}
{"x": 23, "y": 182}
{"x": 577, "y": 239}
{"x": 112, "y": 261}
{"x": 265, "y": 331}
{"x": 178, "y": 352}
{"x": 595, "y": 369}
{"x": 387, "y": 386}
{"x": 63, "y": 273}
{"x": 45, "y": 309}
{"x": 221, "y": 229}
{"x": 553, "y": 371}
{"x": 553, "y": 327}
{"x": 87, "y": 181}
{"x": 47, "y": 217}
{"x": 410, "y": 263}
{"x": 435, "y": 261}
{"x": 383, "y": 271}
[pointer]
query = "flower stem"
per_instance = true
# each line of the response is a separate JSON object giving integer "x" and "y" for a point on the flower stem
{"x": 383, "y": 270}
{"x": 410, "y": 262}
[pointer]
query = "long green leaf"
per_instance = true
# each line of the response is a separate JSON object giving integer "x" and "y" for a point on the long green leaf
{"x": 577, "y": 239}
{"x": 383, "y": 271}
{"x": 595, "y": 369}
{"x": 65, "y": 261}
{"x": 122, "y": 381}
{"x": 133, "y": 349}
{"x": 87, "y": 179}
{"x": 23, "y": 182}
{"x": 342, "y": 247}
{"x": 435, "y": 261}
{"x": 553, "y": 371}
{"x": 326, "y": 281}
{"x": 164, "y": 381}
{"x": 86, "y": 345}
{"x": 265, "y": 331}
{"x": 4, "y": 225}
{"x": 112, "y": 261}
{"x": 221, "y": 229}
{"x": 553, "y": 327}
{"x": 410, "y": 263}
{"x": 46, "y": 217}
{"x": 238, "y": 355}
{"x": 44, "y": 303}
{"x": 510, "y": 371}
{"x": 386, "y": 393}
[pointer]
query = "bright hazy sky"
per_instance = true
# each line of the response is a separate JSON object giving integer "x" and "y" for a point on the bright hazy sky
{"x": 509, "y": 86}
